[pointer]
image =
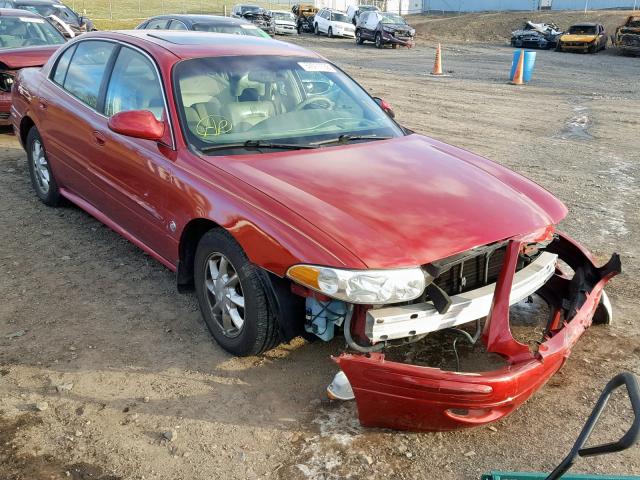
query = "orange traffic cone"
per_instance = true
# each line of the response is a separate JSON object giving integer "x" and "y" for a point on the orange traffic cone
{"x": 518, "y": 76}
{"x": 437, "y": 66}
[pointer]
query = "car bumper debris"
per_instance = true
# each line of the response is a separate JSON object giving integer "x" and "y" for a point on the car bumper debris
{"x": 390, "y": 394}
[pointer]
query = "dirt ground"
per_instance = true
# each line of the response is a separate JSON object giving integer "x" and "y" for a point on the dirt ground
{"x": 95, "y": 328}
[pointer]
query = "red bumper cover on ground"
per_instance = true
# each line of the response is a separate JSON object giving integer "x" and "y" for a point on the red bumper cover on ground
{"x": 410, "y": 397}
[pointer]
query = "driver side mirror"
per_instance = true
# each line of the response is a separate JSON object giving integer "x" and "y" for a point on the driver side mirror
{"x": 137, "y": 124}
{"x": 385, "y": 106}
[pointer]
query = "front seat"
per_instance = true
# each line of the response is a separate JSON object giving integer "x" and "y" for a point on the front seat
{"x": 201, "y": 99}
{"x": 245, "y": 114}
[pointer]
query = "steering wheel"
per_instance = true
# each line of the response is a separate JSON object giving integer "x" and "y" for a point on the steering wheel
{"x": 321, "y": 102}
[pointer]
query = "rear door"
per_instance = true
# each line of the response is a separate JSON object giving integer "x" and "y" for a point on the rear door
{"x": 69, "y": 115}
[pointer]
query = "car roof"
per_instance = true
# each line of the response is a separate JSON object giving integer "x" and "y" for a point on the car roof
{"x": 585, "y": 24}
{"x": 195, "y": 18}
{"x": 189, "y": 44}
{"x": 15, "y": 12}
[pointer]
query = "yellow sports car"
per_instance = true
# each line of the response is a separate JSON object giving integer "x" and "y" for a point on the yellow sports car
{"x": 583, "y": 37}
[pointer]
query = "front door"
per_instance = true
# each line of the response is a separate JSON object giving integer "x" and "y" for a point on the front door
{"x": 131, "y": 174}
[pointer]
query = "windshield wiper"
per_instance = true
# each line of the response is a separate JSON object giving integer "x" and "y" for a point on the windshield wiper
{"x": 344, "y": 138}
{"x": 258, "y": 145}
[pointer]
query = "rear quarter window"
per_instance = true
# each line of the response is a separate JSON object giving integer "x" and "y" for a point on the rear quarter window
{"x": 62, "y": 65}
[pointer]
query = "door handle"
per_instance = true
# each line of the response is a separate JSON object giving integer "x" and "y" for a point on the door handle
{"x": 99, "y": 139}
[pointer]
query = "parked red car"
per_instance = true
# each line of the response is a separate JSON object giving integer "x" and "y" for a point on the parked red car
{"x": 26, "y": 40}
{"x": 292, "y": 202}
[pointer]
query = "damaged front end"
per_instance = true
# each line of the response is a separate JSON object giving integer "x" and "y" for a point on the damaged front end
{"x": 479, "y": 286}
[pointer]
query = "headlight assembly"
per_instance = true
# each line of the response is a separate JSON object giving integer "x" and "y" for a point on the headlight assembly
{"x": 373, "y": 287}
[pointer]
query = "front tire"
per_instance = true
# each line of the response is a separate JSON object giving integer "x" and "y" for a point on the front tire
{"x": 40, "y": 171}
{"x": 330, "y": 32}
{"x": 232, "y": 295}
{"x": 316, "y": 30}
{"x": 379, "y": 43}
{"x": 359, "y": 40}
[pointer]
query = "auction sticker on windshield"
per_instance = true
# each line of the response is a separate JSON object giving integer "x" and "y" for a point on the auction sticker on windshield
{"x": 317, "y": 67}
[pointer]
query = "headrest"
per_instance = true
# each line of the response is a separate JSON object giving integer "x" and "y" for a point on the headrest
{"x": 244, "y": 83}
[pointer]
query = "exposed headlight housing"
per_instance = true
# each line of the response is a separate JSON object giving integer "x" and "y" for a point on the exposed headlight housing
{"x": 371, "y": 287}
{"x": 6, "y": 81}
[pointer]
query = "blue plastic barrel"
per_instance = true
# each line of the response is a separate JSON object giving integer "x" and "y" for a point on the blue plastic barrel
{"x": 529, "y": 63}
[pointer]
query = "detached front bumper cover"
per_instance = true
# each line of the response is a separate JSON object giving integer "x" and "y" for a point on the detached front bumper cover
{"x": 410, "y": 397}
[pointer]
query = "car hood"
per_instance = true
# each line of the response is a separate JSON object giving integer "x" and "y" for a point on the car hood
{"x": 400, "y": 202}
{"x": 578, "y": 38}
{"x": 285, "y": 22}
{"x": 15, "y": 58}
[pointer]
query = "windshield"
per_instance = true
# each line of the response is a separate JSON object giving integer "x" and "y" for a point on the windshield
{"x": 367, "y": 8}
{"x": 249, "y": 29}
{"x": 283, "y": 16}
{"x": 582, "y": 30}
{"x": 27, "y": 31}
{"x": 63, "y": 13}
{"x": 392, "y": 19}
{"x": 250, "y": 9}
{"x": 339, "y": 17}
{"x": 298, "y": 101}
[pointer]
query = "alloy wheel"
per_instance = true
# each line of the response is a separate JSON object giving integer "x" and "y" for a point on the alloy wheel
{"x": 224, "y": 294}
{"x": 40, "y": 166}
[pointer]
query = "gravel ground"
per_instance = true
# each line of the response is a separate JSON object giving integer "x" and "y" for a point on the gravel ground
{"x": 107, "y": 373}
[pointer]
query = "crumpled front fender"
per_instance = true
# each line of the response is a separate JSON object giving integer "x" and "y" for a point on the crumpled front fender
{"x": 410, "y": 397}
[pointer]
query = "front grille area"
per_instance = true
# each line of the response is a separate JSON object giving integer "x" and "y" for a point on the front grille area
{"x": 469, "y": 272}
{"x": 4, "y": 115}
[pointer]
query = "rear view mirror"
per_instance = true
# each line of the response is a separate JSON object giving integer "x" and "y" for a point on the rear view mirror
{"x": 137, "y": 124}
{"x": 385, "y": 106}
{"x": 316, "y": 87}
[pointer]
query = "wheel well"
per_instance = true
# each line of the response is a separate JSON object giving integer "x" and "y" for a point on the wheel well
{"x": 189, "y": 240}
{"x": 25, "y": 125}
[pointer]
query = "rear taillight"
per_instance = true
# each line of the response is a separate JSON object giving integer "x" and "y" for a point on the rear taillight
{"x": 6, "y": 81}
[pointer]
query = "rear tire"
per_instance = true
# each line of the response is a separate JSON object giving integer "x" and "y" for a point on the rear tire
{"x": 233, "y": 297}
{"x": 42, "y": 178}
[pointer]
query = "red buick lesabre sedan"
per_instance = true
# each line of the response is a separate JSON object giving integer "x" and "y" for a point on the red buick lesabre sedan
{"x": 293, "y": 203}
{"x": 26, "y": 40}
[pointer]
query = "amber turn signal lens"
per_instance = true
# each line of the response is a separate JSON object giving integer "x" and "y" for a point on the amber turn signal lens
{"x": 305, "y": 275}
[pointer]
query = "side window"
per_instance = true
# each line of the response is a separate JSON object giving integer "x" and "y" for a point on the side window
{"x": 158, "y": 24}
{"x": 177, "y": 25}
{"x": 131, "y": 71}
{"x": 60, "y": 70}
{"x": 86, "y": 70}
